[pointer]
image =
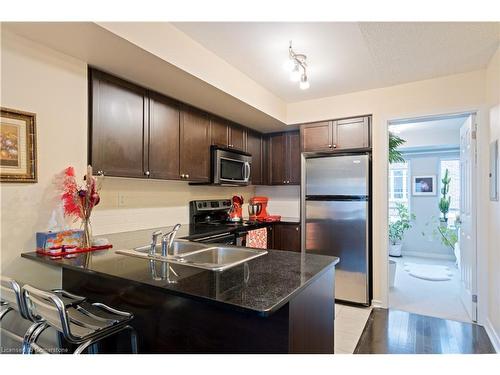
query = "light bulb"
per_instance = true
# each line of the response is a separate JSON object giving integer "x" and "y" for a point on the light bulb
{"x": 304, "y": 82}
{"x": 289, "y": 65}
{"x": 295, "y": 75}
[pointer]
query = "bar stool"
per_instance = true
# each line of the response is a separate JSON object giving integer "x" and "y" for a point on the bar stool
{"x": 13, "y": 301}
{"x": 81, "y": 323}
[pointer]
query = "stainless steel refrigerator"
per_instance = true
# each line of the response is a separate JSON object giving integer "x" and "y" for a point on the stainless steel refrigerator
{"x": 336, "y": 216}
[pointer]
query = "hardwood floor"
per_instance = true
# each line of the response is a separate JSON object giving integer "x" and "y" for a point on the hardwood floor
{"x": 399, "y": 332}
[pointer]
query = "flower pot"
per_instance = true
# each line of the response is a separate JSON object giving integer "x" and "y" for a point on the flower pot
{"x": 392, "y": 272}
{"x": 395, "y": 250}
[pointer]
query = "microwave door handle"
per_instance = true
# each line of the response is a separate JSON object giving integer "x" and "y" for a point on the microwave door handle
{"x": 247, "y": 171}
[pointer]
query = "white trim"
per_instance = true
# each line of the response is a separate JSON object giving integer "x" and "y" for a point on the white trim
{"x": 492, "y": 334}
{"x": 383, "y": 241}
{"x": 377, "y": 303}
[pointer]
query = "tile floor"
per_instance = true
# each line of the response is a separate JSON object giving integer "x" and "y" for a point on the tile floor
{"x": 439, "y": 299}
{"x": 349, "y": 324}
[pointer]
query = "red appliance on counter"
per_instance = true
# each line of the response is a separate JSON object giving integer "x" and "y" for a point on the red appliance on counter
{"x": 262, "y": 214}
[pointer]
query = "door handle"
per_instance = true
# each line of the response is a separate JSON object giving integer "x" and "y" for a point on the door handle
{"x": 247, "y": 171}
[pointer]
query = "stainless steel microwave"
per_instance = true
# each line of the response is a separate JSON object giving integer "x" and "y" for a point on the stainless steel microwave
{"x": 230, "y": 167}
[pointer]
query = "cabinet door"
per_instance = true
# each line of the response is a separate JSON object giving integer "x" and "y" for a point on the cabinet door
{"x": 163, "y": 138}
{"x": 351, "y": 133}
{"x": 293, "y": 158}
{"x": 277, "y": 150}
{"x": 316, "y": 136}
{"x": 194, "y": 145}
{"x": 254, "y": 147}
{"x": 118, "y": 141}
{"x": 287, "y": 237}
{"x": 219, "y": 132}
{"x": 266, "y": 161}
{"x": 237, "y": 138}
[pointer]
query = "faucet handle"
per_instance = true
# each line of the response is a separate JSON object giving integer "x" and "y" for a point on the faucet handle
{"x": 155, "y": 235}
{"x": 154, "y": 240}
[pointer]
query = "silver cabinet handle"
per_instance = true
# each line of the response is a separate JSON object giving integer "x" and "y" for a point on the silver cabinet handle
{"x": 187, "y": 176}
{"x": 100, "y": 173}
{"x": 183, "y": 175}
{"x": 297, "y": 229}
{"x": 334, "y": 146}
{"x": 329, "y": 146}
{"x": 147, "y": 173}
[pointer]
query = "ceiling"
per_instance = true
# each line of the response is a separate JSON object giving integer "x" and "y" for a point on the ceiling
{"x": 348, "y": 56}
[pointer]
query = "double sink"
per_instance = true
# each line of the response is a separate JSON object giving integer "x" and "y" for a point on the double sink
{"x": 203, "y": 256}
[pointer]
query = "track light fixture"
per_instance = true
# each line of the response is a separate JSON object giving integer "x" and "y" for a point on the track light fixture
{"x": 297, "y": 66}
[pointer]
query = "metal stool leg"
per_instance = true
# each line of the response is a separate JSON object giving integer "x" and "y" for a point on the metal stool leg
{"x": 34, "y": 337}
{"x": 4, "y": 312}
{"x": 84, "y": 346}
{"x": 133, "y": 339}
{"x": 27, "y": 337}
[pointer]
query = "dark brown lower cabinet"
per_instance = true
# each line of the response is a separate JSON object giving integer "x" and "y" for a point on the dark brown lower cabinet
{"x": 286, "y": 236}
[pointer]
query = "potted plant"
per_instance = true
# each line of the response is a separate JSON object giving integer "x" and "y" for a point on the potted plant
{"x": 444, "y": 202}
{"x": 398, "y": 228}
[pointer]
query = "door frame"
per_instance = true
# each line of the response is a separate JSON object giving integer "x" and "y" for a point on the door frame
{"x": 479, "y": 168}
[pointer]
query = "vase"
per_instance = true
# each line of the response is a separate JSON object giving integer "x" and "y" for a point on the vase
{"x": 86, "y": 242}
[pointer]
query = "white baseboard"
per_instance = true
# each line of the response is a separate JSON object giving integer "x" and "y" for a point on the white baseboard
{"x": 377, "y": 303}
{"x": 493, "y": 335}
{"x": 421, "y": 254}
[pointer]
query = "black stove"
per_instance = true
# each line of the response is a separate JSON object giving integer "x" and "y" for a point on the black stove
{"x": 209, "y": 222}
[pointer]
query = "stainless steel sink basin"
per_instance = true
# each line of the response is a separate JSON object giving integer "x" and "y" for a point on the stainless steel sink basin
{"x": 179, "y": 246}
{"x": 219, "y": 258}
{"x": 192, "y": 254}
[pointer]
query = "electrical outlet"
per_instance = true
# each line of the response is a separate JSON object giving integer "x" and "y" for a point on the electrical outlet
{"x": 121, "y": 199}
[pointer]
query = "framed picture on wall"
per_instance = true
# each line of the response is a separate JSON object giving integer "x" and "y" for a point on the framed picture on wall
{"x": 17, "y": 146}
{"x": 424, "y": 185}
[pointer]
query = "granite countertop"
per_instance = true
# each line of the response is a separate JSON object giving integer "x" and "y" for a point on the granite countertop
{"x": 261, "y": 286}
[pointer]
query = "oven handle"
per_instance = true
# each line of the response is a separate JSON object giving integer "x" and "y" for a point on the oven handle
{"x": 213, "y": 237}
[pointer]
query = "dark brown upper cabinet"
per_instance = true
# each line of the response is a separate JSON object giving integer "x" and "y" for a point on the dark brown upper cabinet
{"x": 219, "y": 132}
{"x": 346, "y": 134}
{"x": 316, "y": 136}
{"x": 351, "y": 133}
{"x": 284, "y": 155}
{"x": 118, "y": 135}
{"x": 237, "y": 137}
{"x": 163, "y": 158}
{"x": 254, "y": 147}
{"x": 226, "y": 134}
{"x": 194, "y": 145}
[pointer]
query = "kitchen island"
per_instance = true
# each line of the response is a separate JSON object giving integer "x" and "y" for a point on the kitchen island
{"x": 282, "y": 302}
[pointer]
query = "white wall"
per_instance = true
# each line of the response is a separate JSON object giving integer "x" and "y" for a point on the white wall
{"x": 451, "y": 94}
{"x": 425, "y": 208}
{"x": 54, "y": 86}
{"x": 283, "y": 200}
{"x": 493, "y": 108}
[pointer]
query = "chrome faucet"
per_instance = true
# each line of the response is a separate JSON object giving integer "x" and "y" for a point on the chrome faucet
{"x": 154, "y": 240}
{"x": 167, "y": 240}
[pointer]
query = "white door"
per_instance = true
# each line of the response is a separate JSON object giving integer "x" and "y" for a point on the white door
{"x": 467, "y": 216}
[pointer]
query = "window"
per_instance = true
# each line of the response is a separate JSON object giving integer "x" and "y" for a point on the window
{"x": 398, "y": 187}
{"x": 453, "y": 166}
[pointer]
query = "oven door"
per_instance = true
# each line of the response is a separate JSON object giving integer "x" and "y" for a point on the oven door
{"x": 231, "y": 168}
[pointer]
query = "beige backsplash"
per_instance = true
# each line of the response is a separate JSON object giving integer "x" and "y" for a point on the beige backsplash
{"x": 130, "y": 204}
